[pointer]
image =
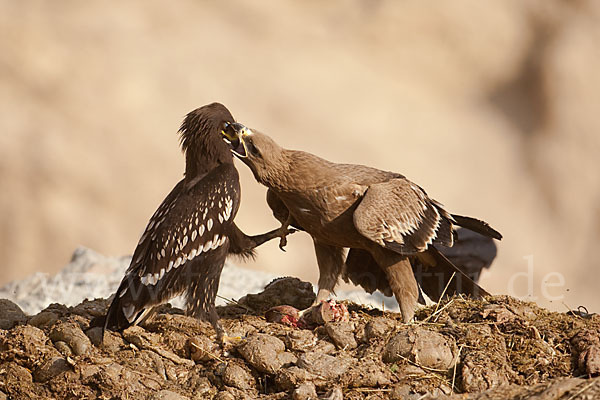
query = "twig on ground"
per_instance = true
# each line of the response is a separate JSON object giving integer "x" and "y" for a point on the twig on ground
{"x": 455, "y": 365}
{"x": 416, "y": 364}
{"x": 583, "y": 389}
{"x": 233, "y": 301}
{"x": 214, "y": 356}
{"x": 441, "y": 297}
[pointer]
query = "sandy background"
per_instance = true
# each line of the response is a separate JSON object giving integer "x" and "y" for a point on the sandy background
{"x": 492, "y": 107}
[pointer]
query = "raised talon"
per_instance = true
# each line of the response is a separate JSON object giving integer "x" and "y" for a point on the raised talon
{"x": 283, "y": 240}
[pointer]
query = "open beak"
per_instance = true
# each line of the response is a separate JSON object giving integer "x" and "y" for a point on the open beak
{"x": 234, "y": 134}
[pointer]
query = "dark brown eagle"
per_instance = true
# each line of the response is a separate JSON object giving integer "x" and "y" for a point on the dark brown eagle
{"x": 389, "y": 224}
{"x": 184, "y": 246}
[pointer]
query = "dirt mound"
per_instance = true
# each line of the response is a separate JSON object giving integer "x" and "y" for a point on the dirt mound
{"x": 493, "y": 348}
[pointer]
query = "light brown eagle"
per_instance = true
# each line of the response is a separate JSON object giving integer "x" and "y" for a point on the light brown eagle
{"x": 389, "y": 224}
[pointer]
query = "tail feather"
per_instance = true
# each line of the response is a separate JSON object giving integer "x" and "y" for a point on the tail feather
{"x": 128, "y": 307}
{"x": 434, "y": 281}
{"x": 115, "y": 317}
{"x": 477, "y": 225}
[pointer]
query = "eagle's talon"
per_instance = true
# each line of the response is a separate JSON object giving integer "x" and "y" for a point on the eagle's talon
{"x": 283, "y": 238}
{"x": 282, "y": 243}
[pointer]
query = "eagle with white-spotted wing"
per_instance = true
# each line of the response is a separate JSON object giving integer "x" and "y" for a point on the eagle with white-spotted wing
{"x": 186, "y": 242}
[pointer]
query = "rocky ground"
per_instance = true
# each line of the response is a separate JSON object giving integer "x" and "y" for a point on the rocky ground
{"x": 485, "y": 349}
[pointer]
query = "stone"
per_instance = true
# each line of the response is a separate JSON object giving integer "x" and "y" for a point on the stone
{"x": 71, "y": 334}
{"x": 289, "y": 378}
{"x": 51, "y": 369}
{"x": 265, "y": 353}
{"x": 63, "y": 348}
{"x": 300, "y": 340}
{"x": 43, "y": 319}
{"x": 342, "y": 334}
{"x": 378, "y": 328}
{"x": 202, "y": 349}
{"x": 424, "y": 347}
{"x": 305, "y": 391}
{"x": 10, "y": 314}
{"x": 324, "y": 365}
{"x": 334, "y": 394}
{"x": 167, "y": 395}
{"x": 238, "y": 376}
{"x": 281, "y": 291}
{"x": 95, "y": 335}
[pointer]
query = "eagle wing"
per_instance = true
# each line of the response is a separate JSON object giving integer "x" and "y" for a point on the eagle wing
{"x": 398, "y": 214}
{"x": 280, "y": 210}
{"x": 185, "y": 241}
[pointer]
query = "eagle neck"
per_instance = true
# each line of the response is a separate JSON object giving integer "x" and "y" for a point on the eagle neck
{"x": 279, "y": 172}
{"x": 199, "y": 166}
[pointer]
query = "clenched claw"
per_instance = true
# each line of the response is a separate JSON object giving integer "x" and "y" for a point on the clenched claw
{"x": 283, "y": 238}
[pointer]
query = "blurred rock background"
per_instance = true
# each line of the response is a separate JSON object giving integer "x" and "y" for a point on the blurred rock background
{"x": 493, "y": 107}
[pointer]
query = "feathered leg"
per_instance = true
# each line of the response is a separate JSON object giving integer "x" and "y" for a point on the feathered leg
{"x": 331, "y": 261}
{"x": 402, "y": 281}
{"x": 244, "y": 245}
{"x": 202, "y": 291}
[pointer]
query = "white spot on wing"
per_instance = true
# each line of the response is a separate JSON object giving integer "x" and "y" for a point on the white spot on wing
{"x": 143, "y": 237}
{"x": 149, "y": 279}
{"x": 177, "y": 262}
{"x": 209, "y": 224}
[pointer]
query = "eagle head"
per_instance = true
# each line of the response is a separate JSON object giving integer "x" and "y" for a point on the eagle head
{"x": 201, "y": 138}
{"x": 257, "y": 150}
